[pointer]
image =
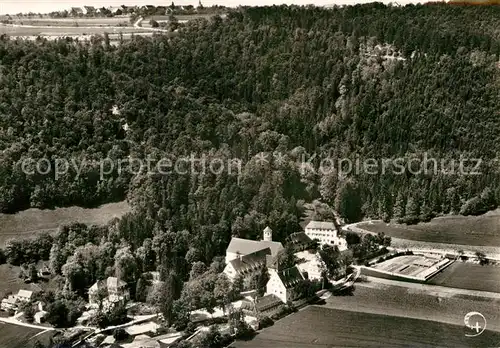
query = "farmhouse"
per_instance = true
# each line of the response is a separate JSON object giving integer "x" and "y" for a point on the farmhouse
{"x": 76, "y": 11}
{"x": 283, "y": 282}
{"x": 325, "y": 233}
{"x": 8, "y": 303}
{"x": 89, "y": 10}
{"x": 116, "y": 10}
{"x": 11, "y": 301}
{"x": 115, "y": 290}
{"x": 24, "y": 295}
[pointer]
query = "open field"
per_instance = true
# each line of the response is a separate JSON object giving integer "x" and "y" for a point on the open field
{"x": 469, "y": 276}
{"x": 417, "y": 303}
{"x": 65, "y": 31}
{"x": 380, "y": 315}
{"x": 319, "y": 326}
{"x": 10, "y": 283}
{"x": 481, "y": 230}
{"x": 97, "y": 22}
{"x": 27, "y": 223}
{"x": 14, "y": 336}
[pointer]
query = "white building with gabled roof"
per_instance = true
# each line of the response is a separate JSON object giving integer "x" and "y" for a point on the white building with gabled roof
{"x": 245, "y": 257}
{"x": 116, "y": 290}
{"x": 11, "y": 301}
{"x": 240, "y": 247}
{"x": 283, "y": 283}
{"x": 325, "y": 233}
{"x": 246, "y": 266}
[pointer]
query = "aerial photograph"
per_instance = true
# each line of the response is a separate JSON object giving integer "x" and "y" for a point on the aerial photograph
{"x": 249, "y": 173}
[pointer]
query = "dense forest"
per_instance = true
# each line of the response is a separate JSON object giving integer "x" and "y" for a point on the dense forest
{"x": 292, "y": 85}
{"x": 367, "y": 81}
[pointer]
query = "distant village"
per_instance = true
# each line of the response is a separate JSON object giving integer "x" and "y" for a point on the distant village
{"x": 245, "y": 261}
{"x": 123, "y": 10}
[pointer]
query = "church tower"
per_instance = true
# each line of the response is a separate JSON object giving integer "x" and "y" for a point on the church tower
{"x": 268, "y": 234}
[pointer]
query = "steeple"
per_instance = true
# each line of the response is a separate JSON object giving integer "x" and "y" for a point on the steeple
{"x": 268, "y": 234}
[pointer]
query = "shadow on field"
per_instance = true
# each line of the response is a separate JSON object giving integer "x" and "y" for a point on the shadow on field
{"x": 344, "y": 292}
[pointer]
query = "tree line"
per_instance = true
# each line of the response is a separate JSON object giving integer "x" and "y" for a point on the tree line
{"x": 369, "y": 80}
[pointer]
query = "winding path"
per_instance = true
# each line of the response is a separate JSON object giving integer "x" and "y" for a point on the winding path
{"x": 431, "y": 247}
{"x": 137, "y": 25}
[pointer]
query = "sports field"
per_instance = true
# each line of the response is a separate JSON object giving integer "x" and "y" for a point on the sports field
{"x": 418, "y": 266}
{"x": 470, "y": 276}
{"x": 29, "y": 222}
{"x": 325, "y": 327}
{"x": 481, "y": 230}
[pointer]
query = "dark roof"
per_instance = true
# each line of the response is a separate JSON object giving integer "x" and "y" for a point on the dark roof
{"x": 267, "y": 302}
{"x": 322, "y": 225}
{"x": 290, "y": 277}
{"x": 264, "y": 303}
{"x": 274, "y": 246}
{"x": 250, "y": 261}
{"x": 299, "y": 238}
{"x": 272, "y": 262}
{"x": 248, "y": 246}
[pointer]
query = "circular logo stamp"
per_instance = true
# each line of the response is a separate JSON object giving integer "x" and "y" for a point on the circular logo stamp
{"x": 475, "y": 322}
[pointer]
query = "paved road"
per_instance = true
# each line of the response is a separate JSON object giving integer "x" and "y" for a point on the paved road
{"x": 434, "y": 290}
{"x": 17, "y": 322}
{"x": 444, "y": 248}
{"x": 137, "y": 25}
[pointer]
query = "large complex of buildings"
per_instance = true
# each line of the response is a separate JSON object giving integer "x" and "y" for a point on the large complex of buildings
{"x": 245, "y": 257}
